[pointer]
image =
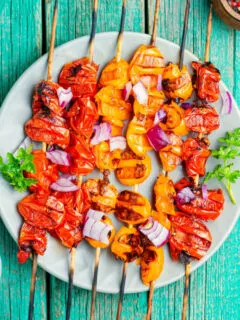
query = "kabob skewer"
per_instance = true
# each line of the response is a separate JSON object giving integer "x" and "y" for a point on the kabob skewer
{"x": 196, "y": 179}
{"x": 44, "y": 147}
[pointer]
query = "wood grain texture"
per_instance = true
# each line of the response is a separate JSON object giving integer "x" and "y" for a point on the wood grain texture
{"x": 20, "y": 46}
{"x": 214, "y": 288}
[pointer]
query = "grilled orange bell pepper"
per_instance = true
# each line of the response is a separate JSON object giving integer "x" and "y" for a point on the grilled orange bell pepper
{"x": 132, "y": 207}
{"x": 176, "y": 83}
{"x": 106, "y": 159}
{"x": 164, "y": 195}
{"x": 136, "y": 134}
{"x": 99, "y": 195}
{"x": 132, "y": 169}
{"x": 152, "y": 261}
{"x": 175, "y": 119}
{"x": 116, "y": 126}
{"x": 98, "y": 244}
{"x": 146, "y": 65}
{"x": 127, "y": 244}
{"x": 170, "y": 157}
{"x": 111, "y": 104}
{"x": 115, "y": 74}
{"x": 155, "y": 100}
{"x": 162, "y": 218}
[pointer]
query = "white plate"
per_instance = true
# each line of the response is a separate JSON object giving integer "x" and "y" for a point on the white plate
{"x": 16, "y": 110}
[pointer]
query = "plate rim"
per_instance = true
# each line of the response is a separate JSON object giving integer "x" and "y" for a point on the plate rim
{"x": 41, "y": 264}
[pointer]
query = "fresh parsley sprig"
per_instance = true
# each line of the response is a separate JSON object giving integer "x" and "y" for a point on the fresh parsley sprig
{"x": 227, "y": 152}
{"x": 13, "y": 169}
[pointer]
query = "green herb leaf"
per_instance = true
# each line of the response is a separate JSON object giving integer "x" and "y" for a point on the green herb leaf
{"x": 13, "y": 170}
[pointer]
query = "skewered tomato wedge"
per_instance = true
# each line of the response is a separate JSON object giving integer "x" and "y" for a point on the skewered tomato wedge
{"x": 164, "y": 195}
{"x": 42, "y": 211}
{"x": 146, "y": 65}
{"x": 195, "y": 154}
{"x": 70, "y": 199}
{"x": 206, "y": 81}
{"x": 127, "y": 244}
{"x": 132, "y": 207}
{"x": 81, "y": 116}
{"x": 203, "y": 119}
{"x": 155, "y": 101}
{"x": 48, "y": 127}
{"x": 82, "y": 156}
{"x": 151, "y": 264}
{"x": 132, "y": 169}
{"x": 70, "y": 231}
{"x": 45, "y": 173}
{"x": 177, "y": 84}
{"x": 106, "y": 159}
{"x": 111, "y": 104}
{"x": 100, "y": 195}
{"x": 206, "y": 209}
{"x": 115, "y": 74}
{"x": 31, "y": 238}
{"x": 171, "y": 154}
{"x": 81, "y": 76}
{"x": 188, "y": 235}
{"x": 136, "y": 134}
{"x": 175, "y": 119}
{"x": 45, "y": 95}
{"x": 98, "y": 244}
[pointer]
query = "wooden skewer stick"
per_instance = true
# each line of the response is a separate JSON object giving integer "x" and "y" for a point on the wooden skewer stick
{"x": 184, "y": 36}
{"x": 94, "y": 284}
{"x": 93, "y": 31}
{"x": 196, "y": 179}
{"x": 121, "y": 30}
{"x": 44, "y": 148}
{"x": 70, "y": 282}
{"x": 155, "y": 23}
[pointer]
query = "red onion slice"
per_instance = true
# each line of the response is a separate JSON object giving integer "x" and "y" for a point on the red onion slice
{"x": 204, "y": 192}
{"x": 185, "y": 196}
{"x": 118, "y": 142}
{"x": 157, "y": 234}
{"x": 59, "y": 157}
{"x": 102, "y": 133}
{"x": 94, "y": 214}
{"x": 64, "y": 185}
{"x": 159, "y": 83}
{"x": 69, "y": 176}
{"x": 186, "y": 105}
{"x": 160, "y": 116}
{"x": 127, "y": 90}
{"x": 227, "y": 103}
{"x": 141, "y": 93}
{"x": 64, "y": 96}
{"x": 157, "y": 138}
{"x": 96, "y": 230}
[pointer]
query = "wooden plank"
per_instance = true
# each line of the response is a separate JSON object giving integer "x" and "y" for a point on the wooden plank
{"x": 214, "y": 287}
{"x": 20, "y": 46}
{"x": 76, "y": 15}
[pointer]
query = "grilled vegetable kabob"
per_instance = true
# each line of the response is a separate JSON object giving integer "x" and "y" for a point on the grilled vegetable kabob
{"x": 39, "y": 210}
{"x": 107, "y": 140}
{"x": 81, "y": 77}
{"x": 190, "y": 238}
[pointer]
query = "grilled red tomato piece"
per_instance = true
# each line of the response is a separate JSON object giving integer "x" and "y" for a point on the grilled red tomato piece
{"x": 82, "y": 156}
{"x": 45, "y": 173}
{"x": 207, "y": 78}
{"x": 47, "y": 127}
{"x": 195, "y": 154}
{"x": 81, "y": 76}
{"x": 70, "y": 199}
{"x": 203, "y": 119}
{"x": 188, "y": 235}
{"x": 206, "y": 209}
{"x": 45, "y": 95}
{"x": 42, "y": 211}
{"x": 31, "y": 238}
{"x": 70, "y": 231}
{"x": 82, "y": 115}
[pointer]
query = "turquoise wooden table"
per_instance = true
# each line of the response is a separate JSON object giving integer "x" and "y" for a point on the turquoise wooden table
{"x": 25, "y": 31}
